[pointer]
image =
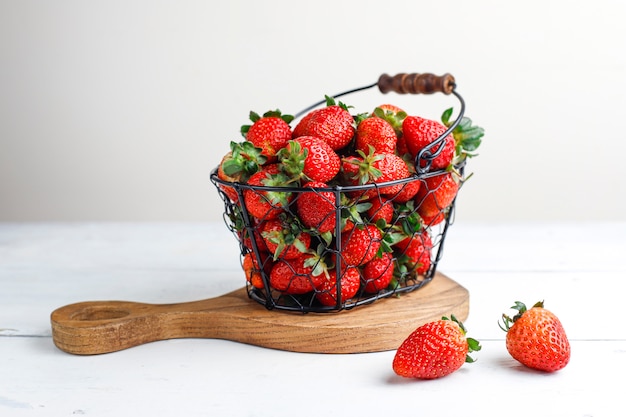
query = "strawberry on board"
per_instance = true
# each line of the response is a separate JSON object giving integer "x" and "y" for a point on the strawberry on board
{"x": 434, "y": 350}
{"x": 535, "y": 337}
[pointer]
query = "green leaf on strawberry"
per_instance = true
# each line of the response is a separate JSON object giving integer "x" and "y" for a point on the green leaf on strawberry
{"x": 467, "y": 136}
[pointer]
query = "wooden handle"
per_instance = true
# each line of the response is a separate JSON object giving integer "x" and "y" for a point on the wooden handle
{"x": 95, "y": 327}
{"x": 416, "y": 83}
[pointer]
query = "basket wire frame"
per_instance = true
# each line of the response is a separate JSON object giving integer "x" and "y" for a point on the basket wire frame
{"x": 246, "y": 230}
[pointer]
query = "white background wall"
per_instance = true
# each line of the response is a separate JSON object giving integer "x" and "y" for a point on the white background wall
{"x": 118, "y": 110}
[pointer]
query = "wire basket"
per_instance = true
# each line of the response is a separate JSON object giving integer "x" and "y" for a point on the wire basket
{"x": 329, "y": 280}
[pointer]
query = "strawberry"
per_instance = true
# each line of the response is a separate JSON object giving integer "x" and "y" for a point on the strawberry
{"x": 333, "y": 124}
{"x": 262, "y": 204}
{"x": 252, "y": 269}
{"x": 284, "y": 238}
{"x": 434, "y": 350}
{"x": 326, "y": 293}
{"x": 437, "y": 194}
{"x": 375, "y": 168}
{"x": 245, "y": 237}
{"x": 414, "y": 253}
{"x": 298, "y": 276}
{"x": 380, "y": 208}
{"x": 420, "y": 133}
{"x": 409, "y": 189}
{"x": 360, "y": 245}
{"x": 270, "y": 132}
{"x": 375, "y": 132}
{"x": 310, "y": 158}
{"x": 378, "y": 272}
{"x": 317, "y": 209}
{"x": 536, "y": 338}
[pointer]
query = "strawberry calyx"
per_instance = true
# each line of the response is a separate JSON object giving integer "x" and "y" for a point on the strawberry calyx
{"x": 467, "y": 136}
{"x": 292, "y": 159}
{"x": 362, "y": 169}
{"x": 330, "y": 101}
{"x": 277, "y": 198}
{"x": 317, "y": 262}
{"x": 473, "y": 345}
{"x": 395, "y": 119}
{"x": 288, "y": 236}
{"x": 254, "y": 117}
{"x": 244, "y": 160}
{"x": 520, "y": 307}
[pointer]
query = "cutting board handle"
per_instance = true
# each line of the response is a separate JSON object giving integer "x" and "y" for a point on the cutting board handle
{"x": 93, "y": 327}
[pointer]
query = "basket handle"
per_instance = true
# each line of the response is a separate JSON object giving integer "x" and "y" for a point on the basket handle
{"x": 416, "y": 83}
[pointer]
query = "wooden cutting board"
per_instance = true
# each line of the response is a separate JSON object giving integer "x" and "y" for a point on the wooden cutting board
{"x": 96, "y": 327}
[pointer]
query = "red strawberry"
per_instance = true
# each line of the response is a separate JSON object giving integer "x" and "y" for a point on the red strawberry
{"x": 378, "y": 273}
{"x": 409, "y": 189}
{"x": 265, "y": 205}
{"x": 381, "y": 208}
{"x": 360, "y": 245}
{"x": 252, "y": 269}
{"x": 245, "y": 237}
{"x": 326, "y": 293}
{"x": 536, "y": 338}
{"x": 298, "y": 276}
{"x": 434, "y": 350}
{"x": 333, "y": 124}
{"x": 284, "y": 239}
{"x": 310, "y": 158}
{"x": 375, "y": 168}
{"x": 419, "y": 133}
{"x": 436, "y": 194}
{"x": 317, "y": 209}
{"x": 414, "y": 253}
{"x": 271, "y": 132}
{"x": 375, "y": 132}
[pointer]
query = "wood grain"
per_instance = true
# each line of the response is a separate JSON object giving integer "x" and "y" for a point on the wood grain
{"x": 96, "y": 327}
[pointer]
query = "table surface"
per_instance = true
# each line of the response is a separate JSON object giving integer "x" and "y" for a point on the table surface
{"x": 578, "y": 269}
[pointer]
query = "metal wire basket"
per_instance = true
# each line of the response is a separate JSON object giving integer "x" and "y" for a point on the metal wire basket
{"x": 326, "y": 292}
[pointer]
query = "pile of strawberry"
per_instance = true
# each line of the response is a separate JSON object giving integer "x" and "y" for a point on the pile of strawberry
{"x": 296, "y": 182}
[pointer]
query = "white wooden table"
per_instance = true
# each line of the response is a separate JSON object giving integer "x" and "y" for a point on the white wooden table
{"x": 578, "y": 269}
